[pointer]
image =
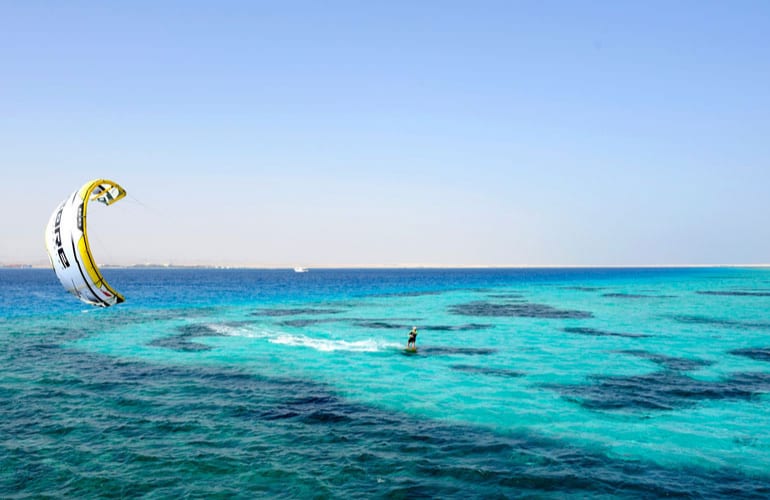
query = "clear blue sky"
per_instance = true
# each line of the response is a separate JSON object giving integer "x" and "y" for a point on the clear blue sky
{"x": 391, "y": 133}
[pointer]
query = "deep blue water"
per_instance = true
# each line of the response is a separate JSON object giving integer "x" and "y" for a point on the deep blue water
{"x": 268, "y": 383}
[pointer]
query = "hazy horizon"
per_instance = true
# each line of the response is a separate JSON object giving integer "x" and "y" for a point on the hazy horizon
{"x": 160, "y": 265}
{"x": 344, "y": 134}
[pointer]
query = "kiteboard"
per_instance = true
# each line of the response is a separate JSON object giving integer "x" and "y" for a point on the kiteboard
{"x": 410, "y": 350}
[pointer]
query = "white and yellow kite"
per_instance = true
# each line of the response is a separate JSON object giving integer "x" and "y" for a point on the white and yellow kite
{"x": 67, "y": 243}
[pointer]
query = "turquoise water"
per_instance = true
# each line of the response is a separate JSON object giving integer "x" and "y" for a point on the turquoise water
{"x": 249, "y": 383}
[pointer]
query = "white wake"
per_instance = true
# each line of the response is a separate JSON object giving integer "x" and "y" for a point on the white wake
{"x": 319, "y": 344}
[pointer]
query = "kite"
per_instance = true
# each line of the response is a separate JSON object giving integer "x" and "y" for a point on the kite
{"x": 66, "y": 240}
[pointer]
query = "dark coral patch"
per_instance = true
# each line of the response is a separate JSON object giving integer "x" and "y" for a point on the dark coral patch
{"x": 437, "y": 328}
{"x": 723, "y": 323}
{"x": 409, "y": 294}
{"x": 459, "y": 328}
{"x": 198, "y": 330}
{"x": 692, "y": 319}
{"x": 495, "y": 372}
{"x": 179, "y": 343}
{"x": 669, "y": 362}
{"x": 602, "y": 333}
{"x": 294, "y": 311}
{"x": 407, "y": 323}
{"x": 489, "y": 309}
{"x": 635, "y": 296}
{"x": 182, "y": 342}
{"x": 757, "y": 353}
{"x": 664, "y": 390}
{"x": 735, "y": 293}
{"x": 301, "y": 323}
{"x": 464, "y": 351}
{"x": 667, "y": 389}
{"x": 506, "y": 296}
{"x": 383, "y": 325}
{"x": 241, "y": 323}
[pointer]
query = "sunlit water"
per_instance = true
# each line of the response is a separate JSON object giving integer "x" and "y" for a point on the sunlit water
{"x": 553, "y": 383}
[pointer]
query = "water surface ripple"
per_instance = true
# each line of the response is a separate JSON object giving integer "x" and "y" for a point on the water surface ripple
{"x": 300, "y": 389}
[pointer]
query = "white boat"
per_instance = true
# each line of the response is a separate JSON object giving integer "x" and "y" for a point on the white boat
{"x": 300, "y": 269}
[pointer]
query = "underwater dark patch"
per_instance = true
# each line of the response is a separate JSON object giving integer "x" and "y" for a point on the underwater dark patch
{"x": 325, "y": 417}
{"x": 722, "y": 323}
{"x": 409, "y": 294}
{"x": 483, "y": 370}
{"x": 736, "y": 293}
{"x": 182, "y": 342}
{"x": 509, "y": 296}
{"x": 437, "y": 328}
{"x": 240, "y": 323}
{"x": 757, "y": 353}
{"x": 704, "y": 320}
{"x": 458, "y": 328}
{"x": 528, "y": 310}
{"x": 301, "y": 323}
{"x": 198, "y": 330}
{"x": 294, "y": 311}
{"x": 664, "y": 390}
{"x": 584, "y": 288}
{"x": 669, "y": 362}
{"x": 179, "y": 343}
{"x": 382, "y": 325}
{"x": 464, "y": 351}
{"x": 337, "y": 304}
{"x": 636, "y": 296}
{"x": 363, "y": 323}
{"x": 601, "y": 333}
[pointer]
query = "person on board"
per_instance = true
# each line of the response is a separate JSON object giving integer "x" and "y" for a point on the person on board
{"x": 410, "y": 344}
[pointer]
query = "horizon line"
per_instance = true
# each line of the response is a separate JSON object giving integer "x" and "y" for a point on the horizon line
{"x": 399, "y": 266}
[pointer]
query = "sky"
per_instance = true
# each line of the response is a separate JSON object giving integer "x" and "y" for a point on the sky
{"x": 398, "y": 133}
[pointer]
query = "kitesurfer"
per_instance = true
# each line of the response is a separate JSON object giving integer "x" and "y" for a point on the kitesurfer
{"x": 410, "y": 344}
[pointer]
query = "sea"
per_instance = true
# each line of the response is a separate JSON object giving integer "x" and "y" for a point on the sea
{"x": 245, "y": 383}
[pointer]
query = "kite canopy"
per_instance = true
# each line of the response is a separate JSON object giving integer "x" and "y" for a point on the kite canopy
{"x": 66, "y": 240}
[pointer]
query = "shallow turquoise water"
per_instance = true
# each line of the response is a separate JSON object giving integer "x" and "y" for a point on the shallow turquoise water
{"x": 621, "y": 382}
